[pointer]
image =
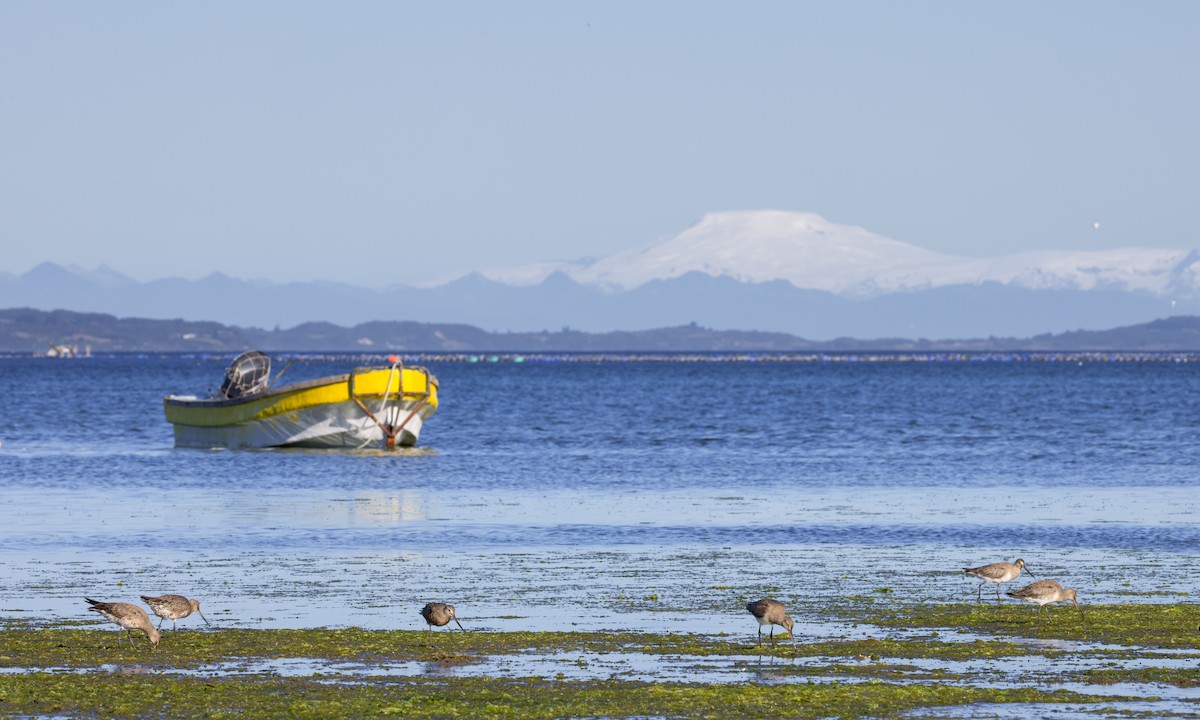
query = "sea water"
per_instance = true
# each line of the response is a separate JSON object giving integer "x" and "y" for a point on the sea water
{"x": 629, "y": 493}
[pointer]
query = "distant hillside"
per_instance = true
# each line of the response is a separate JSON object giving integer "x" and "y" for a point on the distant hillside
{"x": 983, "y": 307}
{"x": 26, "y": 330}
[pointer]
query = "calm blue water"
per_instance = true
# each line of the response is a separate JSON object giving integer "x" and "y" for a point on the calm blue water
{"x": 579, "y": 487}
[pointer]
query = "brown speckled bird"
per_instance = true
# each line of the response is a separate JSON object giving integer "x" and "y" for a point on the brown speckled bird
{"x": 439, "y": 614}
{"x": 173, "y": 607}
{"x": 1044, "y": 592}
{"x": 998, "y": 572}
{"x": 770, "y": 612}
{"x": 129, "y": 617}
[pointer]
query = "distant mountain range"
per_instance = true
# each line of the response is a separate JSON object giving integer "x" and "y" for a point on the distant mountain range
{"x": 35, "y": 331}
{"x": 766, "y": 271}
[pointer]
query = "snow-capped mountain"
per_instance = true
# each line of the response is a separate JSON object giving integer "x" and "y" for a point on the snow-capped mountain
{"x": 813, "y": 253}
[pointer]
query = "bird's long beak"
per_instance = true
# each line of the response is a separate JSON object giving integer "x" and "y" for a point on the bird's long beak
{"x": 460, "y": 627}
{"x": 206, "y": 622}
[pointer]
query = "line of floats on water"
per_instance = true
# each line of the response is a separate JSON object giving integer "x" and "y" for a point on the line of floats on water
{"x": 1079, "y": 357}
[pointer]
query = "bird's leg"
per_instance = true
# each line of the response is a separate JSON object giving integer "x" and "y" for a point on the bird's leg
{"x": 760, "y": 635}
{"x": 160, "y": 622}
{"x": 997, "y": 592}
{"x": 979, "y": 593}
{"x": 772, "y": 636}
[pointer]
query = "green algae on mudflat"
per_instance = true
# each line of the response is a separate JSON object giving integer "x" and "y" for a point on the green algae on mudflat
{"x": 75, "y": 647}
{"x": 1179, "y": 677}
{"x": 111, "y": 694}
{"x": 184, "y": 678}
{"x": 1175, "y": 625}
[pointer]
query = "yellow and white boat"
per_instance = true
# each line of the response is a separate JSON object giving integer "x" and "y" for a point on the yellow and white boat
{"x": 370, "y": 407}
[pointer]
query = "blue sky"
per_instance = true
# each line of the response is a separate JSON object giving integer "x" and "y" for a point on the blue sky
{"x": 390, "y": 142}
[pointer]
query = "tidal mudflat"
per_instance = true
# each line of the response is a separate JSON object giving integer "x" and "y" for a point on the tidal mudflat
{"x": 611, "y": 633}
{"x": 986, "y": 660}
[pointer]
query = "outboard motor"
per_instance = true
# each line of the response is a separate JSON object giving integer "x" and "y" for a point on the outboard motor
{"x": 248, "y": 374}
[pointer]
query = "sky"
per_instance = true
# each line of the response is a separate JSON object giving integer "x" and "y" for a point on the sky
{"x": 383, "y": 143}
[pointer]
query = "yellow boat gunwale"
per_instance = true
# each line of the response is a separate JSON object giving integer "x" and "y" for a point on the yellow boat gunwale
{"x": 411, "y": 383}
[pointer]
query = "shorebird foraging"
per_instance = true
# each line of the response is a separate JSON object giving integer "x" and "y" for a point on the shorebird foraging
{"x": 1000, "y": 572}
{"x": 1044, "y": 592}
{"x": 130, "y": 617}
{"x": 770, "y": 612}
{"x": 439, "y": 614}
{"x": 173, "y": 607}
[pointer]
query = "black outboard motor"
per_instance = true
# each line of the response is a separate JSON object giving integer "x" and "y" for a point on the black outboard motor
{"x": 248, "y": 374}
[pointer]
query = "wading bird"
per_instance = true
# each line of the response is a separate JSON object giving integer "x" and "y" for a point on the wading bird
{"x": 129, "y": 617}
{"x": 1044, "y": 592}
{"x": 173, "y": 607}
{"x": 1000, "y": 572}
{"x": 770, "y": 612}
{"x": 439, "y": 614}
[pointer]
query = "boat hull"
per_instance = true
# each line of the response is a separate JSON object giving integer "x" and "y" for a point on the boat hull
{"x": 369, "y": 408}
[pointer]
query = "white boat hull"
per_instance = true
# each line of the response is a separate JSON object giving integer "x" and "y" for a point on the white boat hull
{"x": 339, "y": 426}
